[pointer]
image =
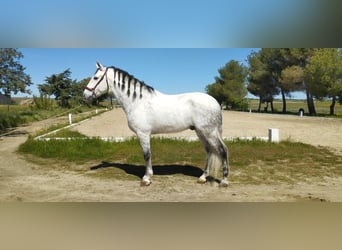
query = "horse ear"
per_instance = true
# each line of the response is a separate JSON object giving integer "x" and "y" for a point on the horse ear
{"x": 99, "y": 65}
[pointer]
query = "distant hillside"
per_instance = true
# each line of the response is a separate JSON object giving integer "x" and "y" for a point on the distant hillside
{"x": 5, "y": 100}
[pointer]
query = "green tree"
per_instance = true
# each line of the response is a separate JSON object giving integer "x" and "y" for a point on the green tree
{"x": 58, "y": 85}
{"x": 77, "y": 89}
{"x": 278, "y": 65}
{"x": 216, "y": 90}
{"x": 13, "y": 78}
{"x": 260, "y": 80}
{"x": 324, "y": 73}
{"x": 66, "y": 91}
{"x": 229, "y": 88}
{"x": 292, "y": 78}
{"x": 299, "y": 57}
{"x": 274, "y": 63}
{"x": 317, "y": 72}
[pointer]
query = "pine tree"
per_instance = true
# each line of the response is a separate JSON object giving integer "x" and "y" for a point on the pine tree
{"x": 229, "y": 88}
{"x": 66, "y": 91}
{"x": 324, "y": 73}
{"x": 260, "y": 80}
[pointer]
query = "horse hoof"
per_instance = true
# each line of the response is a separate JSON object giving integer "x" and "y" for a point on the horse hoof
{"x": 145, "y": 183}
{"x": 201, "y": 180}
{"x": 224, "y": 183}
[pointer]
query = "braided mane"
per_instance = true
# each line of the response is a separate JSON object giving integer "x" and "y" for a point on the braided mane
{"x": 124, "y": 77}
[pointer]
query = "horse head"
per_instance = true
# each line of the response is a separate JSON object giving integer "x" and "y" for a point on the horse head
{"x": 98, "y": 84}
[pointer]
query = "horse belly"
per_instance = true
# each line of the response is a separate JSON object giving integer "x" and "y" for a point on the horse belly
{"x": 170, "y": 122}
{"x": 168, "y": 115}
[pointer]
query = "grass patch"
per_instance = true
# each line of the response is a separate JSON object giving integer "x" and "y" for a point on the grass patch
{"x": 252, "y": 162}
{"x": 11, "y": 120}
{"x": 67, "y": 133}
{"x": 289, "y": 162}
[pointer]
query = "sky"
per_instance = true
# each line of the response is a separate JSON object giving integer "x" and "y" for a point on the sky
{"x": 157, "y": 40}
{"x": 170, "y": 23}
{"x": 170, "y": 71}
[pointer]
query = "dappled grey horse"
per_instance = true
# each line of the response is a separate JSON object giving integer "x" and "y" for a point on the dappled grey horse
{"x": 149, "y": 112}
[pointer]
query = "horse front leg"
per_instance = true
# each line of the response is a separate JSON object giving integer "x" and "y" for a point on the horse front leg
{"x": 146, "y": 149}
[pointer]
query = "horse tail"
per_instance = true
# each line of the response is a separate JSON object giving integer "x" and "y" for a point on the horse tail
{"x": 218, "y": 154}
{"x": 214, "y": 163}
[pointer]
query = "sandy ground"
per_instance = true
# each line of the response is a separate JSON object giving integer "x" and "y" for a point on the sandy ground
{"x": 21, "y": 180}
{"x": 312, "y": 130}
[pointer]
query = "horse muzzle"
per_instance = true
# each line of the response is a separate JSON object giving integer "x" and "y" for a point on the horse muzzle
{"x": 88, "y": 97}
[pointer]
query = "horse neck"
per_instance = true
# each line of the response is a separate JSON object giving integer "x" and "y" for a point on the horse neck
{"x": 127, "y": 90}
{"x": 120, "y": 96}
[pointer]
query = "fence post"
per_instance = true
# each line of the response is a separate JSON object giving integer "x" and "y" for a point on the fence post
{"x": 70, "y": 118}
{"x": 273, "y": 134}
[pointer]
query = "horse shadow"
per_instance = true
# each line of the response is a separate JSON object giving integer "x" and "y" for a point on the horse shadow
{"x": 168, "y": 169}
{"x": 139, "y": 170}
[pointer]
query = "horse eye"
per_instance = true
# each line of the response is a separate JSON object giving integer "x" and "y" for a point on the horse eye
{"x": 95, "y": 78}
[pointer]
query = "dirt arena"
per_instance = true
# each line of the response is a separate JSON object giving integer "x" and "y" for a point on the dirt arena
{"x": 325, "y": 132}
{"x": 21, "y": 180}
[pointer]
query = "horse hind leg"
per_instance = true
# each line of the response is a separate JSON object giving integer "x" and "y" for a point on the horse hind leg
{"x": 222, "y": 151}
{"x": 203, "y": 178}
{"x": 215, "y": 149}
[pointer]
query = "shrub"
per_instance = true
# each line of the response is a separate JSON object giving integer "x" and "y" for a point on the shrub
{"x": 43, "y": 102}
